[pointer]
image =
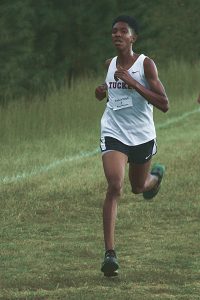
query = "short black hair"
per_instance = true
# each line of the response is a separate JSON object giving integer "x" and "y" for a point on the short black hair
{"x": 132, "y": 23}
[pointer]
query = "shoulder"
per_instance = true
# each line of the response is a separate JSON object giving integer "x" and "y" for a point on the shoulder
{"x": 149, "y": 63}
{"x": 149, "y": 67}
{"x": 107, "y": 62}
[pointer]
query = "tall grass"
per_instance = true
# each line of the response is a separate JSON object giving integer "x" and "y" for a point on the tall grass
{"x": 182, "y": 84}
{"x": 62, "y": 112}
{"x": 63, "y": 124}
{"x": 75, "y": 111}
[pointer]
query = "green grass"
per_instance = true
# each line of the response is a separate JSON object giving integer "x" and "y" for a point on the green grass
{"x": 50, "y": 220}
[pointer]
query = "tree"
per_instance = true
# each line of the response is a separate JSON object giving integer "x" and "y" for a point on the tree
{"x": 60, "y": 40}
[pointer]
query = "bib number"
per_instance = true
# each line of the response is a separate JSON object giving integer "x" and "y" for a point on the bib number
{"x": 121, "y": 103}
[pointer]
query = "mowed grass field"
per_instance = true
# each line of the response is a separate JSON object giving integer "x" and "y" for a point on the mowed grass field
{"x": 52, "y": 189}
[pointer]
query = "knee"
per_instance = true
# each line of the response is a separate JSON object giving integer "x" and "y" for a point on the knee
{"x": 114, "y": 189}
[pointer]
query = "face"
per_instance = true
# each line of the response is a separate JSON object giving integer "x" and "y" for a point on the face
{"x": 122, "y": 35}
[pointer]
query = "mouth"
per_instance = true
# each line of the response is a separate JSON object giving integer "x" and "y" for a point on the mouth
{"x": 118, "y": 42}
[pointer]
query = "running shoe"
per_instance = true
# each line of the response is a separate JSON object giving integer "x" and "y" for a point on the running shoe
{"x": 159, "y": 171}
{"x": 110, "y": 265}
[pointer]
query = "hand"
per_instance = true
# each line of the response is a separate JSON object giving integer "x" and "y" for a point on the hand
{"x": 100, "y": 91}
{"x": 124, "y": 75}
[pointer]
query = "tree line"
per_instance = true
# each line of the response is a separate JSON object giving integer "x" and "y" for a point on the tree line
{"x": 59, "y": 40}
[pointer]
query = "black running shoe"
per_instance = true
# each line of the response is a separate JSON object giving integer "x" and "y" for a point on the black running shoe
{"x": 159, "y": 171}
{"x": 110, "y": 265}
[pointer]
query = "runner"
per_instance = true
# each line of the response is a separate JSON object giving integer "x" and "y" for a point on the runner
{"x": 132, "y": 88}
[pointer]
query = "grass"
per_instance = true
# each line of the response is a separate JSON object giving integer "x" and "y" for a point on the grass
{"x": 51, "y": 228}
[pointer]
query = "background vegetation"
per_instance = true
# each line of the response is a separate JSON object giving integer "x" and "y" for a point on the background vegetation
{"x": 59, "y": 40}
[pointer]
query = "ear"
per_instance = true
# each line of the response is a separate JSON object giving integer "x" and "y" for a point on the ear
{"x": 134, "y": 38}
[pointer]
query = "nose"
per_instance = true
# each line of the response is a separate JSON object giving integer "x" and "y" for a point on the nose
{"x": 118, "y": 33}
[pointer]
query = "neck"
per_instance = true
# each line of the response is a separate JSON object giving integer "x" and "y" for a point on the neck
{"x": 125, "y": 52}
{"x": 126, "y": 55}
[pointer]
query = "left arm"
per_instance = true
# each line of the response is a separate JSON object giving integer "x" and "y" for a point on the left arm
{"x": 155, "y": 94}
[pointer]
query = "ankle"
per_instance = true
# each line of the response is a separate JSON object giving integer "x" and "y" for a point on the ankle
{"x": 110, "y": 252}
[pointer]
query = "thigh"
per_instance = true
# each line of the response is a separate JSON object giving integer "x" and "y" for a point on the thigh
{"x": 114, "y": 163}
{"x": 140, "y": 154}
{"x": 138, "y": 173}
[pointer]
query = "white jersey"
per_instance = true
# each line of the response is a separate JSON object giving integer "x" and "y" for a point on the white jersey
{"x": 128, "y": 116}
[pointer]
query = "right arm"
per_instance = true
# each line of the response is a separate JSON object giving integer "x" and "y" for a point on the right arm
{"x": 100, "y": 91}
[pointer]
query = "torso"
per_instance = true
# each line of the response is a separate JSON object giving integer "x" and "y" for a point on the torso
{"x": 128, "y": 116}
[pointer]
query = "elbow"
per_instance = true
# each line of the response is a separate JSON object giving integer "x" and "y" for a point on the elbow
{"x": 165, "y": 107}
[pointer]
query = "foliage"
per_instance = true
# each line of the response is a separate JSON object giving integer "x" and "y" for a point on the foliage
{"x": 57, "y": 40}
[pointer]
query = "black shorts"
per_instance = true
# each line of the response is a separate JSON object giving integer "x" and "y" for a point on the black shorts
{"x": 136, "y": 154}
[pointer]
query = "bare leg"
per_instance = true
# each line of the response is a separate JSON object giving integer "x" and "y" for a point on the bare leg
{"x": 114, "y": 163}
{"x": 140, "y": 178}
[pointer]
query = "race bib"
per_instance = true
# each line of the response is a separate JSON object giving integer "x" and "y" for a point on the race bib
{"x": 121, "y": 103}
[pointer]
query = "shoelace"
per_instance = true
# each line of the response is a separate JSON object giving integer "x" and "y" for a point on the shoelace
{"x": 110, "y": 253}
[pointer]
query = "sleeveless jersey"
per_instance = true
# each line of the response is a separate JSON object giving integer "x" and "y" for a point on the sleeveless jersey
{"x": 128, "y": 116}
